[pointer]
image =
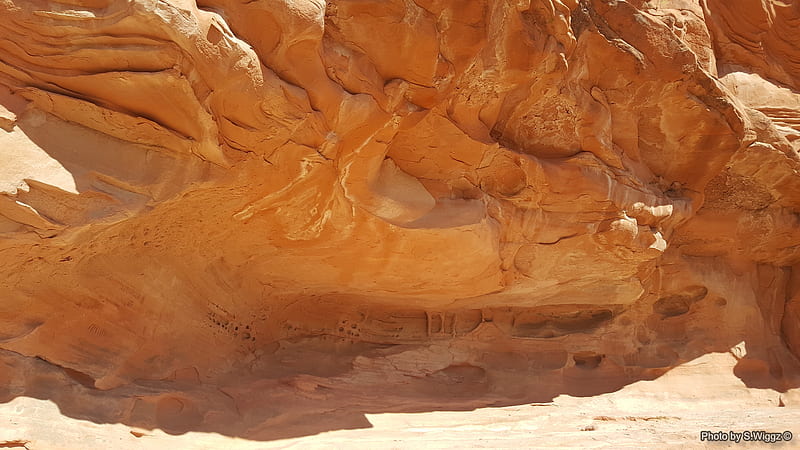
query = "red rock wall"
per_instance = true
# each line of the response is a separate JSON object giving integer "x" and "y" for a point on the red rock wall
{"x": 588, "y": 193}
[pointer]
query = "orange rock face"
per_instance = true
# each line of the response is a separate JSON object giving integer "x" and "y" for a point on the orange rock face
{"x": 265, "y": 219}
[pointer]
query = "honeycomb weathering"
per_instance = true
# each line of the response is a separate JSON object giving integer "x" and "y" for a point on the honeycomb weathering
{"x": 275, "y": 218}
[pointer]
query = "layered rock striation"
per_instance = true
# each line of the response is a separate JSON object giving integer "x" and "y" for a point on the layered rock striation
{"x": 234, "y": 216}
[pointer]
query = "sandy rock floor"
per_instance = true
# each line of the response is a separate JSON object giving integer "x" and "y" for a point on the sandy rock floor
{"x": 669, "y": 412}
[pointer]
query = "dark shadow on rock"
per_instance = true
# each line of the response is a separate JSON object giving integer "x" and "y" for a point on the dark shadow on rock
{"x": 264, "y": 407}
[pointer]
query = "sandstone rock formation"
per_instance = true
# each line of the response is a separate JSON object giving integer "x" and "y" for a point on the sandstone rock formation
{"x": 265, "y": 219}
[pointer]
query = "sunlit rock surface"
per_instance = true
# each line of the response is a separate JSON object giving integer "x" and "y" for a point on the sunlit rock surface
{"x": 224, "y": 223}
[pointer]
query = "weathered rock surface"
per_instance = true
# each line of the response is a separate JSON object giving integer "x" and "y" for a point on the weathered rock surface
{"x": 266, "y": 219}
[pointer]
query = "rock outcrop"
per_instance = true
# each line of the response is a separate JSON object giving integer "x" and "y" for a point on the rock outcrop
{"x": 259, "y": 218}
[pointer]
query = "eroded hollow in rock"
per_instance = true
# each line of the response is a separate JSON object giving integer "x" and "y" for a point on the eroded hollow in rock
{"x": 267, "y": 220}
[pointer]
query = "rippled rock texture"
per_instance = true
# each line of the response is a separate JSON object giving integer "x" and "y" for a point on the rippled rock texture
{"x": 267, "y": 218}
